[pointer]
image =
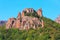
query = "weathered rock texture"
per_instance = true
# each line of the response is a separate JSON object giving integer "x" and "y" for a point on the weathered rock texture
{"x": 25, "y": 22}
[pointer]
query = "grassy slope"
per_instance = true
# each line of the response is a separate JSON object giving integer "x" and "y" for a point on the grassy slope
{"x": 53, "y": 27}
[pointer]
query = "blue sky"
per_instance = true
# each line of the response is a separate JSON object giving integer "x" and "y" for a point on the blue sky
{"x": 10, "y": 8}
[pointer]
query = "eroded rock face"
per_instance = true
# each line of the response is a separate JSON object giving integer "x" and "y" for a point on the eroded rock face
{"x": 14, "y": 22}
{"x": 10, "y": 22}
{"x": 23, "y": 14}
{"x": 18, "y": 21}
{"x": 30, "y": 22}
{"x": 25, "y": 22}
{"x": 17, "y": 24}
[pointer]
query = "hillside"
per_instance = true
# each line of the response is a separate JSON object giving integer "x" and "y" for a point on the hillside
{"x": 51, "y": 31}
{"x": 30, "y": 25}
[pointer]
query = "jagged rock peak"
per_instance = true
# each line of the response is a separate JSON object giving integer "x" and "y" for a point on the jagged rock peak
{"x": 39, "y": 12}
{"x": 19, "y": 15}
{"x": 40, "y": 9}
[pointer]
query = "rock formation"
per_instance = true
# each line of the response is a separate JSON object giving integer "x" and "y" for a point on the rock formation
{"x": 25, "y": 22}
{"x": 28, "y": 10}
{"x": 23, "y": 14}
{"x": 10, "y": 23}
{"x": 39, "y": 12}
{"x": 58, "y": 19}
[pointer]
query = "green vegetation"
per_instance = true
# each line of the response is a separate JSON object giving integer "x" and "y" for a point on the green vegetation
{"x": 51, "y": 31}
{"x": 32, "y": 14}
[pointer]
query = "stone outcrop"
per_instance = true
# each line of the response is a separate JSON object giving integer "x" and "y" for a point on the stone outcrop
{"x": 39, "y": 12}
{"x": 17, "y": 22}
{"x": 58, "y": 19}
{"x": 25, "y": 22}
{"x": 23, "y": 14}
{"x": 30, "y": 22}
{"x": 10, "y": 23}
{"x": 28, "y": 10}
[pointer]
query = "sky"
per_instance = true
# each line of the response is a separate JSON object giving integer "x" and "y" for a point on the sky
{"x": 11, "y": 8}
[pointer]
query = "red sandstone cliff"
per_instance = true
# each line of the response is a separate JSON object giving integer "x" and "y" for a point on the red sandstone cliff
{"x": 25, "y": 22}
